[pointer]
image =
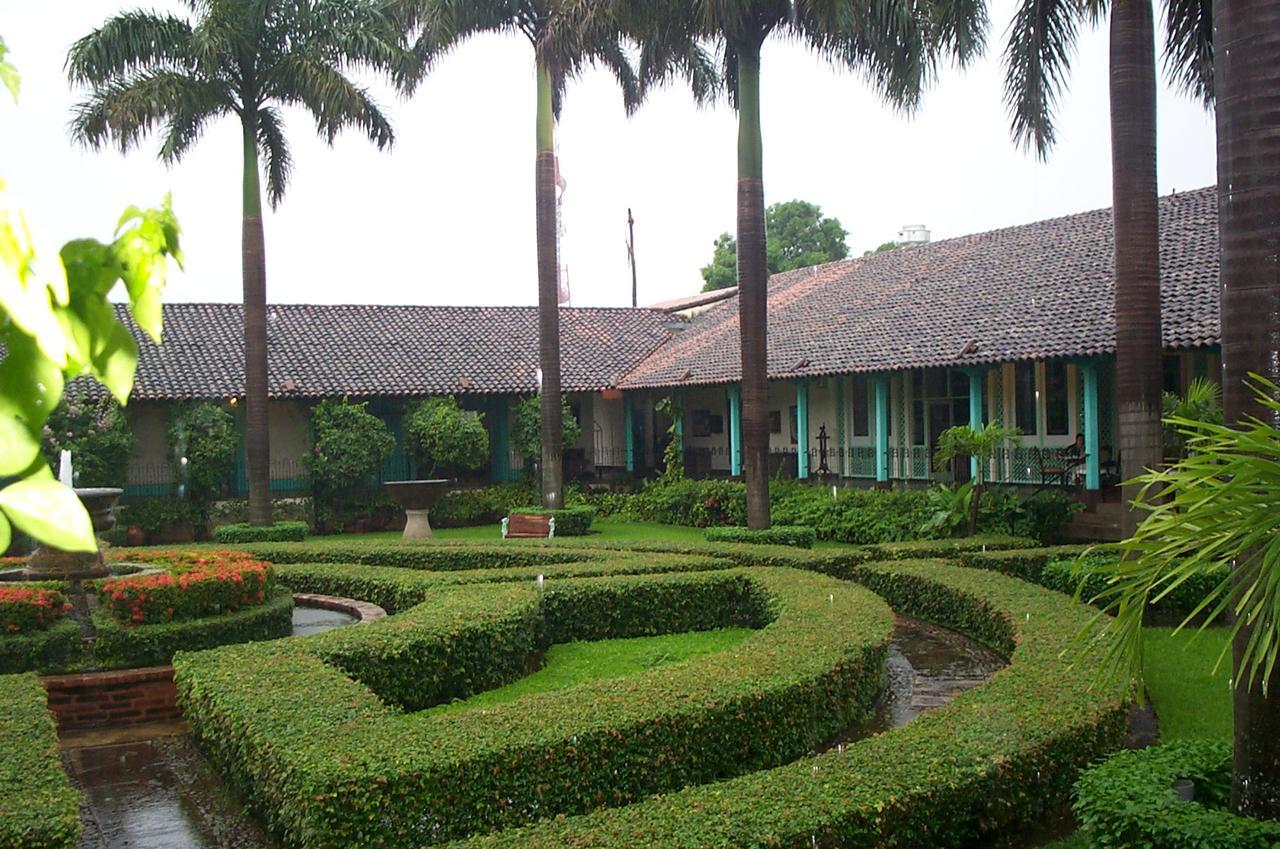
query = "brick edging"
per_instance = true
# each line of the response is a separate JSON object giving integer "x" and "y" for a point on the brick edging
{"x": 363, "y": 611}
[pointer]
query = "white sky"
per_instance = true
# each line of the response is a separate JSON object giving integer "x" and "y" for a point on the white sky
{"x": 447, "y": 216}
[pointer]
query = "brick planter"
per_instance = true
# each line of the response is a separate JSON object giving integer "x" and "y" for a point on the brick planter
{"x": 121, "y": 697}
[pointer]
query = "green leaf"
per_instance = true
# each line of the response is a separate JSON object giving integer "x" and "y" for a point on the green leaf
{"x": 18, "y": 448}
{"x": 6, "y": 534}
{"x": 30, "y": 384}
{"x": 8, "y": 76}
{"x": 50, "y": 513}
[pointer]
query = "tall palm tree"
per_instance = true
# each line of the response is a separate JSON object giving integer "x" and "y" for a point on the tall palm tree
{"x": 895, "y": 44}
{"x": 566, "y": 37}
{"x": 1247, "y": 79}
{"x": 148, "y": 71}
{"x": 1040, "y": 44}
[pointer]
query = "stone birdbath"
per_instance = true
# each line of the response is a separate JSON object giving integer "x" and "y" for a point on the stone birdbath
{"x": 417, "y": 498}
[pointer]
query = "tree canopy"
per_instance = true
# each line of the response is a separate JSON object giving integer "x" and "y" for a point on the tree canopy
{"x": 799, "y": 235}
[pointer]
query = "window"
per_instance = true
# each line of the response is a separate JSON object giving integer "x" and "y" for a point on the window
{"x": 860, "y": 413}
{"x": 1024, "y": 397}
{"x": 1057, "y": 416}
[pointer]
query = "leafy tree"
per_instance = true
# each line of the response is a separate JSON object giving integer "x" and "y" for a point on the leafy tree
{"x": 350, "y": 445}
{"x": 1041, "y": 44}
{"x": 897, "y": 50}
{"x": 979, "y": 443}
{"x": 444, "y": 437}
{"x": 526, "y": 430}
{"x": 884, "y": 246}
{"x": 97, "y": 435}
{"x": 57, "y": 324}
{"x": 203, "y": 443}
{"x": 798, "y": 236}
{"x": 147, "y": 71}
{"x": 566, "y": 37}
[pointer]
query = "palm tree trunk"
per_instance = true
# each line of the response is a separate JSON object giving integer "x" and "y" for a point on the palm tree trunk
{"x": 254, "y": 269}
{"x": 548, "y": 297}
{"x": 1137, "y": 243}
{"x": 1247, "y": 87}
{"x": 753, "y": 289}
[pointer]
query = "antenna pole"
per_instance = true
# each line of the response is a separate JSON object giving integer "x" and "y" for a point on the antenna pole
{"x": 631, "y": 255}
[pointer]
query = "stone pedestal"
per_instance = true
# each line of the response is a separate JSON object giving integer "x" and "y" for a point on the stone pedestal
{"x": 416, "y": 525}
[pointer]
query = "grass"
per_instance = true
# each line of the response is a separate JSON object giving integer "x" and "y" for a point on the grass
{"x": 1190, "y": 701}
{"x": 569, "y": 664}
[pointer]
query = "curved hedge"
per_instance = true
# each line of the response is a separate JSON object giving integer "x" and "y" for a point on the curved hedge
{"x": 997, "y": 756}
{"x": 312, "y": 729}
{"x": 39, "y": 809}
{"x": 1129, "y": 801}
{"x": 119, "y": 646}
{"x": 796, "y": 536}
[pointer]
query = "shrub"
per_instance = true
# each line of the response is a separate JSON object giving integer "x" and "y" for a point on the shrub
{"x": 97, "y": 435}
{"x": 200, "y": 584}
{"x": 570, "y": 521}
{"x": 1039, "y": 516}
{"x": 333, "y": 765}
{"x": 444, "y": 438}
{"x": 157, "y": 515}
{"x": 1090, "y": 576}
{"x": 526, "y": 427}
{"x": 350, "y": 445}
{"x": 39, "y": 809}
{"x": 27, "y": 609}
{"x": 276, "y": 532}
{"x": 205, "y": 436}
{"x": 858, "y": 516}
{"x": 53, "y": 649}
{"x": 120, "y": 645}
{"x": 1129, "y": 801}
{"x": 798, "y": 537}
{"x": 485, "y": 506}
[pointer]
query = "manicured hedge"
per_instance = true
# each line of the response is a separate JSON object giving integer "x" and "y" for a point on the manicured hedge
{"x": 241, "y": 533}
{"x": 39, "y": 809}
{"x": 570, "y": 521}
{"x": 327, "y": 763}
{"x": 24, "y": 609}
{"x": 423, "y": 555}
{"x": 55, "y": 649}
{"x": 197, "y": 585}
{"x": 1025, "y": 563}
{"x": 792, "y": 535}
{"x": 119, "y": 646}
{"x": 1088, "y": 575}
{"x": 994, "y": 758}
{"x": 1129, "y": 801}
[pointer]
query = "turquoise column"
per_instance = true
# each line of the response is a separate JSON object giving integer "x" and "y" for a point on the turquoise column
{"x": 627, "y": 436}
{"x": 802, "y": 426}
{"x": 882, "y": 428}
{"x": 735, "y": 430}
{"x": 975, "y": 412}
{"x": 1092, "y": 448}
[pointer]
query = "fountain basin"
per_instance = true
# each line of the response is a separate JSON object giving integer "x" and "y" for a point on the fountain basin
{"x": 49, "y": 563}
{"x": 417, "y": 498}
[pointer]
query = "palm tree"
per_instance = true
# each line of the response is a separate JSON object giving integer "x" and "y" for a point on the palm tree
{"x": 566, "y": 37}
{"x": 148, "y": 71}
{"x": 895, "y": 46}
{"x": 1247, "y": 78}
{"x": 1041, "y": 41}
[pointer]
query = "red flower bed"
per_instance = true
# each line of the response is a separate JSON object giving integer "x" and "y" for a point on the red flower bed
{"x": 24, "y": 609}
{"x": 198, "y": 584}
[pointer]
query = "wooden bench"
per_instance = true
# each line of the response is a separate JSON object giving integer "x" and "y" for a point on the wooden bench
{"x": 528, "y": 526}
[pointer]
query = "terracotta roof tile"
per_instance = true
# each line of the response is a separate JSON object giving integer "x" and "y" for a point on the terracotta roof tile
{"x": 1035, "y": 291}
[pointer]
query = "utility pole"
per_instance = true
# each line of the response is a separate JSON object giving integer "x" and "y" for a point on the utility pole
{"x": 631, "y": 255}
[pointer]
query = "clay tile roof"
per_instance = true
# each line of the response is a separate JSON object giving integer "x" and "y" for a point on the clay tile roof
{"x": 1030, "y": 292}
{"x": 328, "y": 351}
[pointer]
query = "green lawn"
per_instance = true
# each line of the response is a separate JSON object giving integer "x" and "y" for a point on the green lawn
{"x": 1190, "y": 701}
{"x": 569, "y": 664}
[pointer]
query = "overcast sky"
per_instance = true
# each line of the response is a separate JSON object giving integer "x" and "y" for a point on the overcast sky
{"x": 447, "y": 217}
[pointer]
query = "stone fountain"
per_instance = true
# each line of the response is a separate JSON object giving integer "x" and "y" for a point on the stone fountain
{"x": 417, "y": 498}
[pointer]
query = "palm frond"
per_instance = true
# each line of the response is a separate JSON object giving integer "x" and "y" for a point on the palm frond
{"x": 1213, "y": 511}
{"x": 334, "y": 101}
{"x": 1041, "y": 40}
{"x": 128, "y": 43}
{"x": 275, "y": 150}
{"x": 202, "y": 102}
{"x": 125, "y": 111}
{"x": 959, "y": 28}
{"x": 669, "y": 49}
{"x": 1188, "y": 47}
